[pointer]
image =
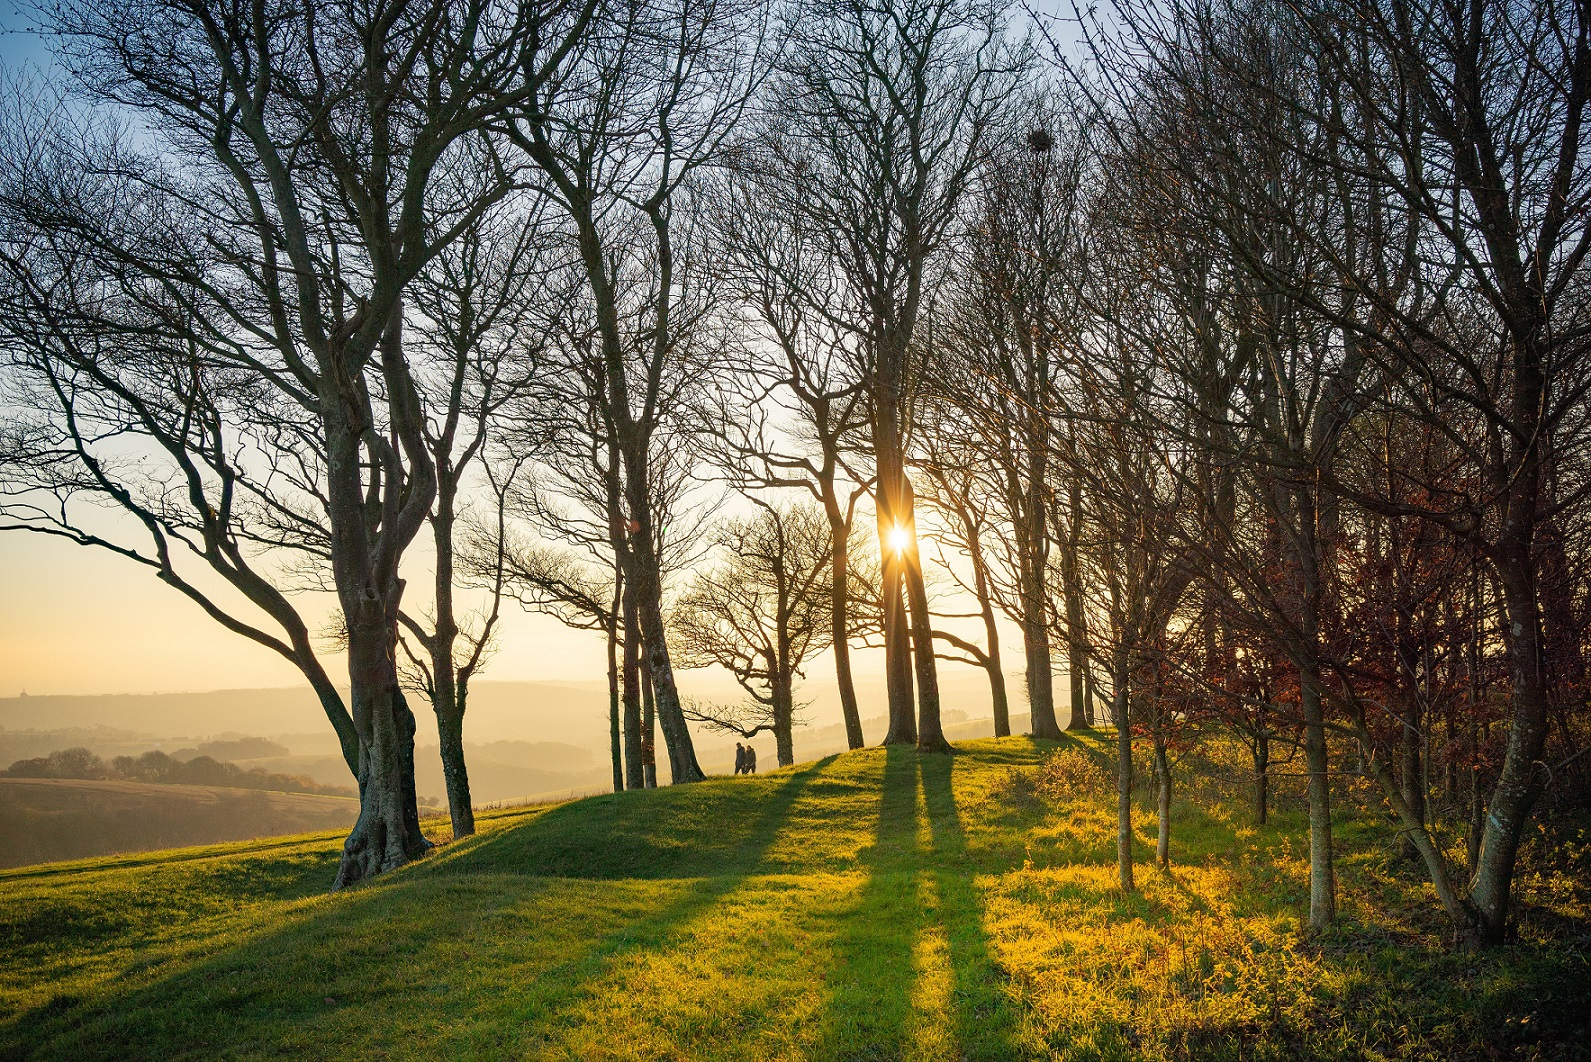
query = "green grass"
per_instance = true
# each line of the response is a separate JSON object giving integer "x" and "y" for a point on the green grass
{"x": 875, "y": 905}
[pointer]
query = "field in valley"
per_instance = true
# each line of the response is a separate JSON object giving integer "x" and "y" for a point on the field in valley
{"x": 46, "y": 819}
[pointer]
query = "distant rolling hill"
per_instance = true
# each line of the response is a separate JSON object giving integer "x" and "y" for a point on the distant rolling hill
{"x": 48, "y": 819}
{"x": 532, "y": 711}
{"x": 523, "y": 739}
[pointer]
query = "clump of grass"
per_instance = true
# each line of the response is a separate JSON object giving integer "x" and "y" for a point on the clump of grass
{"x": 1071, "y": 773}
{"x": 1016, "y": 787}
{"x": 1065, "y": 774}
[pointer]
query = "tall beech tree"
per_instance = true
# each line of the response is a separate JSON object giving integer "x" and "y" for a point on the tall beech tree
{"x": 571, "y": 565}
{"x": 618, "y": 138}
{"x": 475, "y": 353}
{"x": 793, "y": 413}
{"x": 997, "y": 347}
{"x": 966, "y": 520}
{"x": 881, "y": 116}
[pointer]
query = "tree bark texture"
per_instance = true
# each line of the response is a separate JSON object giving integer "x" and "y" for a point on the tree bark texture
{"x": 634, "y": 737}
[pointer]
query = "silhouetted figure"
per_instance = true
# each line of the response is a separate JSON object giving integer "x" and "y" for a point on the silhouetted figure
{"x": 740, "y": 758}
{"x": 751, "y": 760}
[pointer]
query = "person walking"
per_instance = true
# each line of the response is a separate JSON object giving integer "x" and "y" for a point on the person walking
{"x": 740, "y": 758}
{"x": 751, "y": 760}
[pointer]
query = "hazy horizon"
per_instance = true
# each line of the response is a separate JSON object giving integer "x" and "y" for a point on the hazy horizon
{"x": 79, "y": 621}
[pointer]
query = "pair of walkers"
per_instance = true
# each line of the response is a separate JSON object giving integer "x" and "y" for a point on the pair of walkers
{"x": 745, "y": 759}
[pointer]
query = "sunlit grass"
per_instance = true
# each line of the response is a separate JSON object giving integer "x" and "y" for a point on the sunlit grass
{"x": 876, "y": 905}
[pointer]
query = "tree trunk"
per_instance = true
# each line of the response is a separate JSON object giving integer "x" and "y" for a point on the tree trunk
{"x": 1306, "y": 549}
{"x": 1002, "y": 704}
{"x": 1033, "y": 541}
{"x": 387, "y": 834}
{"x": 648, "y": 733}
{"x": 379, "y": 840}
{"x": 448, "y": 693}
{"x": 897, "y": 655}
{"x": 784, "y": 719}
{"x": 1322, "y": 875}
{"x": 1411, "y": 765}
{"x": 1518, "y": 783}
{"x": 892, "y": 512}
{"x": 930, "y": 732}
{"x": 1079, "y": 679}
{"x": 369, "y": 591}
{"x": 991, "y": 634}
{"x": 682, "y": 764}
{"x": 634, "y": 734}
{"x": 623, "y": 662}
{"x": 839, "y": 613}
{"x": 1036, "y": 642}
{"x": 1090, "y": 687}
{"x": 1163, "y": 803}
{"x": 1039, "y": 678}
{"x": 1119, "y": 708}
{"x": 1262, "y": 777}
{"x": 411, "y": 801}
{"x": 615, "y": 740}
{"x": 450, "y": 735}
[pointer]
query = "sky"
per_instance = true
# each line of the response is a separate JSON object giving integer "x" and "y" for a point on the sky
{"x": 19, "y": 46}
{"x": 77, "y": 620}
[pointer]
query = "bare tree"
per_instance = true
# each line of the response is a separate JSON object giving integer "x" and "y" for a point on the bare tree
{"x": 792, "y": 414}
{"x": 474, "y": 353}
{"x": 966, "y": 518}
{"x": 618, "y": 140}
{"x": 315, "y": 135}
{"x": 996, "y": 350}
{"x": 882, "y": 113}
{"x": 760, "y": 615}
{"x": 573, "y": 561}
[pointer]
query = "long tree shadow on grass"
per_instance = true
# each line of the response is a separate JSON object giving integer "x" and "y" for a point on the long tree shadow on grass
{"x": 489, "y": 939}
{"x": 891, "y": 982}
{"x": 988, "y": 1019}
{"x": 871, "y": 1006}
{"x": 699, "y": 830}
{"x": 734, "y": 850}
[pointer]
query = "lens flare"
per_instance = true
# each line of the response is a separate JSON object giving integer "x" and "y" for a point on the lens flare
{"x": 900, "y": 539}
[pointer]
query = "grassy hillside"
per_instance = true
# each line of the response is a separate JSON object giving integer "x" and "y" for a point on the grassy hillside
{"x": 869, "y": 906}
{"x": 44, "y": 819}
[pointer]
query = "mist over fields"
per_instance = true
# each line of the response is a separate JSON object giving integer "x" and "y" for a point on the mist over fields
{"x": 525, "y": 741}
